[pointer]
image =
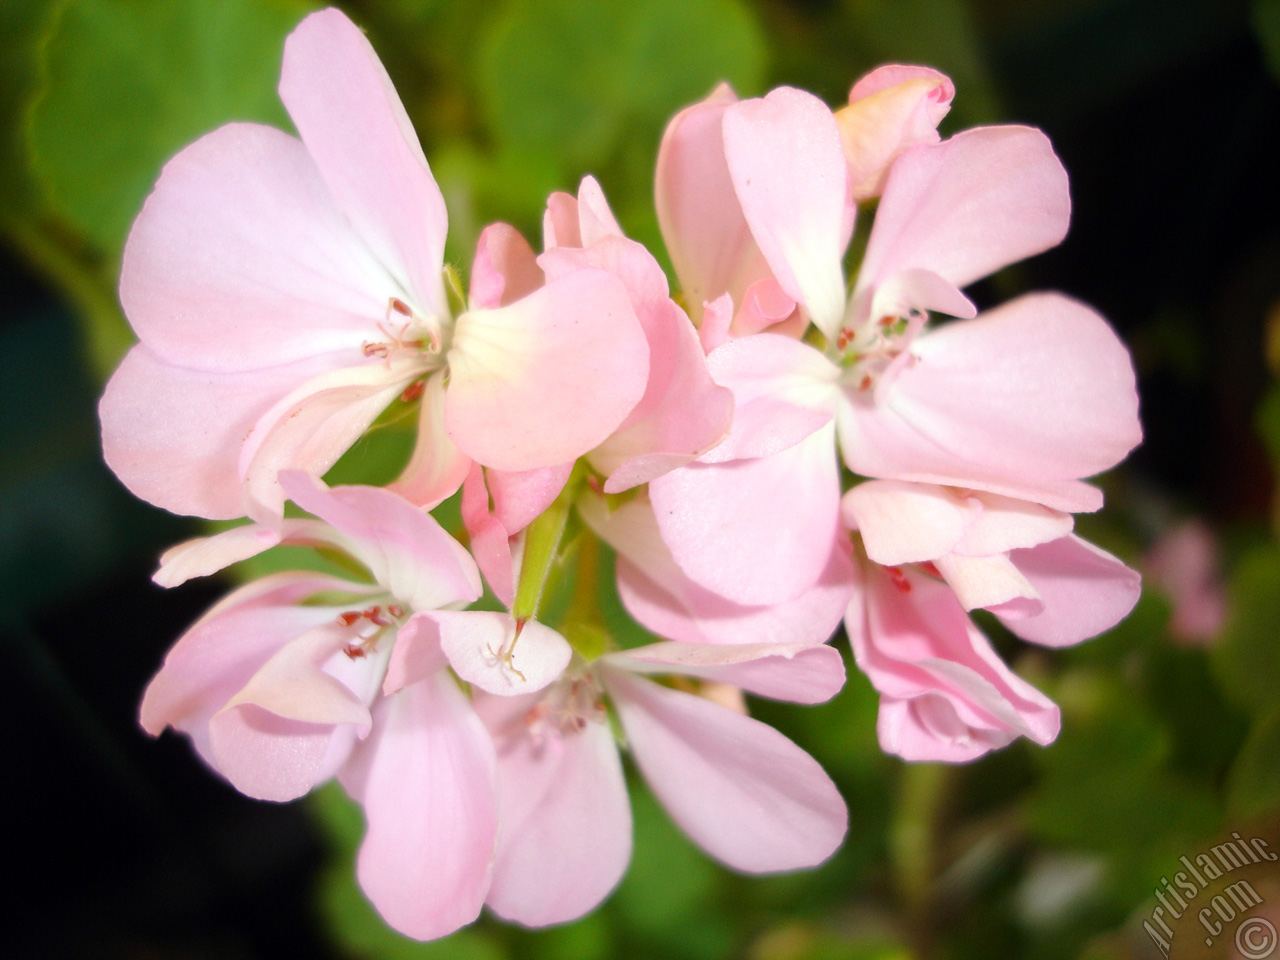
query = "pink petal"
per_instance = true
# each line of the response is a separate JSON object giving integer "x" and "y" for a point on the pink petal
{"x": 310, "y": 428}
{"x": 595, "y": 220}
{"x": 416, "y": 654}
{"x": 890, "y": 110}
{"x": 505, "y": 268}
{"x": 560, "y": 222}
{"x": 764, "y": 304}
{"x": 240, "y": 260}
{"x": 713, "y": 329}
{"x": 221, "y": 651}
{"x": 1084, "y": 590}
{"x": 984, "y": 199}
{"x": 540, "y": 382}
{"x": 754, "y": 531}
{"x": 783, "y": 390}
{"x": 991, "y": 581}
{"x": 916, "y": 289}
{"x": 204, "y": 556}
{"x": 520, "y": 497}
{"x": 905, "y": 522}
{"x": 354, "y": 126}
{"x": 662, "y": 597}
{"x": 566, "y": 820}
{"x": 437, "y": 467}
{"x": 701, "y": 218}
{"x": 1021, "y": 401}
{"x": 945, "y": 693}
{"x": 487, "y": 649}
{"x": 426, "y": 779}
{"x": 406, "y": 550}
{"x": 490, "y": 542}
{"x": 788, "y": 169}
{"x": 272, "y": 738}
{"x": 173, "y": 436}
{"x": 799, "y": 672}
{"x": 682, "y": 414}
{"x": 742, "y": 791}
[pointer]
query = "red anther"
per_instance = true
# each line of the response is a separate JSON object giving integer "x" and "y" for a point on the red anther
{"x": 400, "y": 307}
{"x": 413, "y": 391}
{"x": 348, "y": 618}
{"x": 395, "y": 610}
{"x": 355, "y": 651}
{"x": 930, "y": 569}
{"x": 374, "y": 616}
{"x": 899, "y": 579}
{"x": 866, "y": 383}
{"x": 374, "y": 349}
{"x": 887, "y": 321}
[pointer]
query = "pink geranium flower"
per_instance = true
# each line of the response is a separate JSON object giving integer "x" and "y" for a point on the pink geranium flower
{"x": 1023, "y": 401}
{"x": 742, "y": 791}
{"x": 287, "y": 291}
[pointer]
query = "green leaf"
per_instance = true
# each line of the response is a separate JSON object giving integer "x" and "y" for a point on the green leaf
{"x": 1266, "y": 24}
{"x": 1253, "y": 785}
{"x": 128, "y": 83}
{"x": 22, "y": 25}
{"x": 578, "y": 79}
{"x": 1244, "y": 660}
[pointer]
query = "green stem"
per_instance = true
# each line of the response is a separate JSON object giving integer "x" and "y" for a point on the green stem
{"x": 923, "y": 791}
{"x": 541, "y": 547}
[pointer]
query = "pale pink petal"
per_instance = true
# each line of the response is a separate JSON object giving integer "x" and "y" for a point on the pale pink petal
{"x": 505, "y": 268}
{"x": 310, "y": 428}
{"x": 988, "y": 581}
{"x": 355, "y": 128}
{"x": 405, "y": 549}
{"x": 1021, "y": 401}
{"x": 173, "y": 436}
{"x": 204, "y": 556}
{"x": 595, "y": 220}
{"x": 916, "y": 645}
{"x": 1004, "y": 524}
{"x": 240, "y": 260}
{"x": 519, "y": 497}
{"x": 964, "y": 208}
{"x": 701, "y": 218}
{"x": 489, "y": 539}
{"x": 891, "y": 109}
{"x": 488, "y": 650}
{"x": 682, "y": 414}
{"x": 789, "y": 172}
{"x": 416, "y": 654}
{"x": 426, "y": 779}
{"x": 437, "y": 467}
{"x": 783, "y": 390}
{"x": 918, "y": 290}
{"x": 798, "y": 672}
{"x": 764, "y": 304}
{"x": 755, "y": 531}
{"x": 540, "y": 382}
{"x": 560, "y": 222}
{"x": 1185, "y": 563}
{"x": 906, "y": 522}
{"x": 565, "y": 839}
{"x": 221, "y": 651}
{"x": 713, "y": 329}
{"x": 742, "y": 791}
{"x": 272, "y": 738}
{"x": 1084, "y": 590}
{"x": 662, "y": 597}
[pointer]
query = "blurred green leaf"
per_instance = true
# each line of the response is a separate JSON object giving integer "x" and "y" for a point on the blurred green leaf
{"x": 358, "y": 928}
{"x": 22, "y": 25}
{"x": 574, "y": 79}
{"x": 1253, "y": 786}
{"x": 1266, "y": 24}
{"x": 130, "y": 82}
{"x": 1245, "y": 660}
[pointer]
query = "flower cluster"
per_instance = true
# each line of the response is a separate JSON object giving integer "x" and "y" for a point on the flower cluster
{"x": 770, "y": 452}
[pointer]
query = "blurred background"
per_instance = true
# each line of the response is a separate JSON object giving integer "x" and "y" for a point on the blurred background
{"x": 1166, "y": 114}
